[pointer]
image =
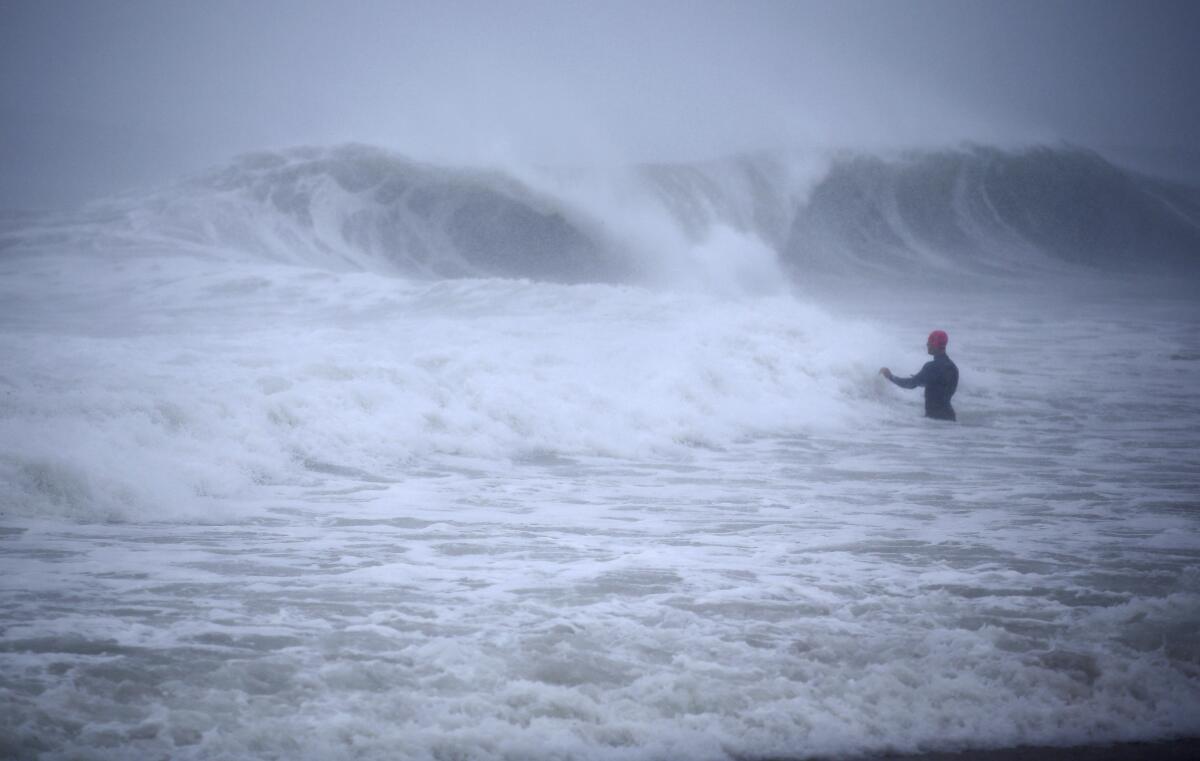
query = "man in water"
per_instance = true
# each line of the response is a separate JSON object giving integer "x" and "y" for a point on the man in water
{"x": 939, "y": 377}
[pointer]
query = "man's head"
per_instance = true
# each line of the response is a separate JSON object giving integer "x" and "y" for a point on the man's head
{"x": 937, "y": 342}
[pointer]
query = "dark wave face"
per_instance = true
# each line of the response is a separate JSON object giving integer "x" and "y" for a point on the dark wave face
{"x": 374, "y": 207}
{"x": 984, "y": 208}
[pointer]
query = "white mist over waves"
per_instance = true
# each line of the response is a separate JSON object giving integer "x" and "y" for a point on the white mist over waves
{"x": 719, "y": 226}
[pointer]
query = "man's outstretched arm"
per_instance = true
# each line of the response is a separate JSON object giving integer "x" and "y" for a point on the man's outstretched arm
{"x": 913, "y": 382}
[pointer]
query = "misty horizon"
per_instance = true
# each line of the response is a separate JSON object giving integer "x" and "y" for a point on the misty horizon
{"x": 96, "y": 98}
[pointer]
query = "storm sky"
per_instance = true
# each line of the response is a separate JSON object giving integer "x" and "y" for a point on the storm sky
{"x": 98, "y": 95}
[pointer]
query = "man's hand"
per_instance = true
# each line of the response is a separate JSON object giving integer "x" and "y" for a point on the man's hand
{"x": 885, "y": 373}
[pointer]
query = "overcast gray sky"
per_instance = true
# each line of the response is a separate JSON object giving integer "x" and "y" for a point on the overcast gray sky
{"x": 95, "y": 94}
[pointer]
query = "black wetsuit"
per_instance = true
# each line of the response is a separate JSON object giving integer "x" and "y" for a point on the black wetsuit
{"x": 940, "y": 379}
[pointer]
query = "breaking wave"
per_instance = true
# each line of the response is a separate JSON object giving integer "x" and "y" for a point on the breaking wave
{"x": 743, "y": 220}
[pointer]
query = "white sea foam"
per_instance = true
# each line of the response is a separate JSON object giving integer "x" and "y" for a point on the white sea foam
{"x": 132, "y": 393}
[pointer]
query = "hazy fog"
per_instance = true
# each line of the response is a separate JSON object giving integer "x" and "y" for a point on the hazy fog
{"x": 95, "y": 96}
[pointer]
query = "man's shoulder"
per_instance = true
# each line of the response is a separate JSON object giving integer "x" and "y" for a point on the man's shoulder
{"x": 941, "y": 365}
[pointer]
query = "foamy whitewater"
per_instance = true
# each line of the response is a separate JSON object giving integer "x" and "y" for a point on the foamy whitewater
{"x": 334, "y": 455}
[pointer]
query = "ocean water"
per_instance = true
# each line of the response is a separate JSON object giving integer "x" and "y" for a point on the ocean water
{"x": 253, "y": 508}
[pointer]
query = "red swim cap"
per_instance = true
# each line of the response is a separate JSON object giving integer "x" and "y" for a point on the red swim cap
{"x": 938, "y": 339}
